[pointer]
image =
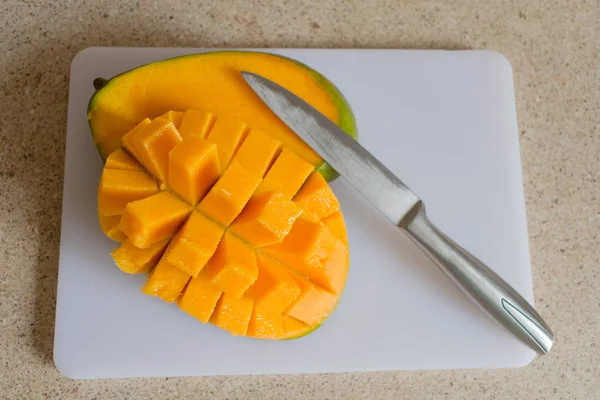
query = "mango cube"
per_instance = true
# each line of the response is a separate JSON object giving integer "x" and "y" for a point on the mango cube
{"x": 166, "y": 281}
{"x": 151, "y": 145}
{"x": 173, "y": 116}
{"x": 336, "y": 225}
{"x": 258, "y": 152}
{"x": 316, "y": 198}
{"x": 153, "y": 219}
{"x": 120, "y": 159}
{"x": 266, "y": 219}
{"x": 233, "y": 268}
{"x": 196, "y": 124}
{"x": 200, "y": 297}
{"x": 274, "y": 290}
{"x": 133, "y": 260}
{"x": 117, "y": 188}
{"x": 233, "y": 315}
{"x": 194, "y": 244}
{"x": 227, "y": 135}
{"x": 265, "y": 327}
{"x": 193, "y": 168}
{"x": 229, "y": 195}
{"x": 313, "y": 305}
{"x": 288, "y": 173}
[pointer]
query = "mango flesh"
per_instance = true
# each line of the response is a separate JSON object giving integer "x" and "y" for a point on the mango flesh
{"x": 239, "y": 238}
{"x": 212, "y": 81}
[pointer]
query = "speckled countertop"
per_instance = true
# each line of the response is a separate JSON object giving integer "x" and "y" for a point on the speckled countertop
{"x": 554, "y": 47}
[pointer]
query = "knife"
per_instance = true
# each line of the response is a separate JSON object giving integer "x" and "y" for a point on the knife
{"x": 402, "y": 207}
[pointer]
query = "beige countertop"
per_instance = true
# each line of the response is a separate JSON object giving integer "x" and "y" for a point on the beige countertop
{"x": 554, "y": 47}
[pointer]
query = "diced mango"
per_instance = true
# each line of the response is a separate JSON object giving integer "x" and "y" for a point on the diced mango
{"x": 337, "y": 226}
{"x": 194, "y": 244}
{"x": 229, "y": 195}
{"x": 127, "y": 139}
{"x": 119, "y": 187}
{"x": 196, "y": 124}
{"x": 120, "y": 159}
{"x": 200, "y": 297}
{"x": 233, "y": 315}
{"x": 266, "y": 219}
{"x": 275, "y": 289}
{"x": 335, "y": 275}
{"x": 174, "y": 116}
{"x": 166, "y": 281}
{"x": 265, "y": 327}
{"x": 293, "y": 328}
{"x": 151, "y": 145}
{"x": 316, "y": 198}
{"x": 153, "y": 219}
{"x": 304, "y": 250}
{"x": 288, "y": 173}
{"x": 193, "y": 168}
{"x": 133, "y": 260}
{"x": 233, "y": 268}
{"x": 110, "y": 227}
{"x": 313, "y": 305}
{"x": 228, "y": 135}
{"x": 258, "y": 152}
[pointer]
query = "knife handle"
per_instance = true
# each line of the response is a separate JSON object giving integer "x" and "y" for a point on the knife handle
{"x": 482, "y": 285}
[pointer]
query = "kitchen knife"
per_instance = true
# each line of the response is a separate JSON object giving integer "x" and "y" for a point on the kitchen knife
{"x": 403, "y": 208}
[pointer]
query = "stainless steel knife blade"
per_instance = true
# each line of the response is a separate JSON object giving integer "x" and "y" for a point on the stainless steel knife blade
{"x": 365, "y": 173}
{"x": 402, "y": 207}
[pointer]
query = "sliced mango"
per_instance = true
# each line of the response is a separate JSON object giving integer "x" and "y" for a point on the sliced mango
{"x": 232, "y": 314}
{"x": 153, "y": 219}
{"x": 266, "y": 219}
{"x": 166, "y": 281}
{"x": 174, "y": 116}
{"x": 233, "y": 268}
{"x": 337, "y": 226}
{"x": 194, "y": 244}
{"x": 227, "y": 135}
{"x": 196, "y": 124}
{"x": 120, "y": 159}
{"x": 292, "y": 328}
{"x": 275, "y": 289}
{"x": 151, "y": 144}
{"x": 316, "y": 198}
{"x": 265, "y": 327}
{"x": 305, "y": 249}
{"x": 229, "y": 195}
{"x": 133, "y": 260}
{"x": 200, "y": 297}
{"x": 110, "y": 227}
{"x": 288, "y": 173}
{"x": 119, "y": 187}
{"x": 193, "y": 168}
{"x": 230, "y": 247}
{"x": 258, "y": 152}
{"x": 313, "y": 305}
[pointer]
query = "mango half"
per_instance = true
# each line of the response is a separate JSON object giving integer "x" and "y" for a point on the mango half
{"x": 212, "y": 81}
{"x": 237, "y": 228}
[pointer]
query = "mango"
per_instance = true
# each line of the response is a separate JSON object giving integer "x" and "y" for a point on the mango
{"x": 212, "y": 82}
{"x": 237, "y": 230}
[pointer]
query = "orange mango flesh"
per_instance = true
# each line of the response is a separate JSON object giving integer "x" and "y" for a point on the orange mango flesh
{"x": 174, "y": 116}
{"x": 267, "y": 219}
{"x": 194, "y": 244}
{"x": 231, "y": 249}
{"x": 196, "y": 123}
{"x": 229, "y": 195}
{"x": 233, "y": 268}
{"x": 200, "y": 297}
{"x": 286, "y": 176}
{"x": 227, "y": 135}
{"x": 193, "y": 168}
{"x": 213, "y": 82}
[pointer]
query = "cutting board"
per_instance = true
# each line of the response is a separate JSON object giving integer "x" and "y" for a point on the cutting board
{"x": 444, "y": 121}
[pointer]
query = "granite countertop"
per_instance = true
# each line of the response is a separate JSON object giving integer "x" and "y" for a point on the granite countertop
{"x": 555, "y": 53}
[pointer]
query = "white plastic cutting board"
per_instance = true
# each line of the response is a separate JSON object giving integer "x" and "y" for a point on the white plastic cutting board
{"x": 444, "y": 121}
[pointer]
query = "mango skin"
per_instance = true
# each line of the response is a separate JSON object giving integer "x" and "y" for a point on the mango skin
{"x": 345, "y": 116}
